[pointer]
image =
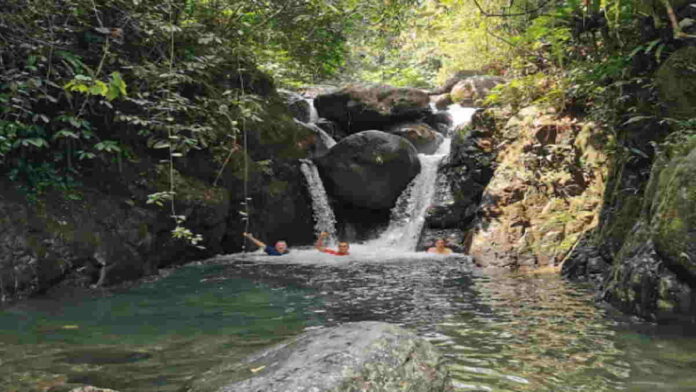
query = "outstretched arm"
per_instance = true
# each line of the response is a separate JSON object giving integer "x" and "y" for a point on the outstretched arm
{"x": 320, "y": 241}
{"x": 254, "y": 240}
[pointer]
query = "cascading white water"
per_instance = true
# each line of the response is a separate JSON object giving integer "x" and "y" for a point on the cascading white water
{"x": 408, "y": 215}
{"x": 324, "y": 218}
{"x": 313, "y": 114}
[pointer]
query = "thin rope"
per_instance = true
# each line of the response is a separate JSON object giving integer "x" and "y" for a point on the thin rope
{"x": 169, "y": 127}
{"x": 246, "y": 155}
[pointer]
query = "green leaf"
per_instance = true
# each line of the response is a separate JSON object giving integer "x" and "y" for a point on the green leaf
{"x": 99, "y": 88}
{"x": 38, "y": 142}
{"x": 108, "y": 146}
{"x": 65, "y": 133}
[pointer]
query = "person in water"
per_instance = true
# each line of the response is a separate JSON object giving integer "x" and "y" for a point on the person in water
{"x": 440, "y": 247}
{"x": 343, "y": 246}
{"x": 280, "y": 248}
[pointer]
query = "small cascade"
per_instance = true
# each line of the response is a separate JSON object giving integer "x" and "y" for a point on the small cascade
{"x": 313, "y": 114}
{"x": 324, "y": 218}
{"x": 408, "y": 215}
{"x": 326, "y": 139}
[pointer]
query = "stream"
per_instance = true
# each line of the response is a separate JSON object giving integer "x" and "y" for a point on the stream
{"x": 498, "y": 331}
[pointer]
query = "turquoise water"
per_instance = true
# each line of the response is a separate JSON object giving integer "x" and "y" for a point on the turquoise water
{"x": 501, "y": 332}
{"x": 150, "y": 338}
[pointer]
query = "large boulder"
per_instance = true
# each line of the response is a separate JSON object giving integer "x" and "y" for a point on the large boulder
{"x": 369, "y": 169}
{"x": 676, "y": 81}
{"x": 350, "y": 357}
{"x": 357, "y": 108}
{"x": 421, "y": 135}
{"x": 472, "y": 91}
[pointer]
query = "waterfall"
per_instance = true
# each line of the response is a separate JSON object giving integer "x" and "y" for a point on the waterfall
{"x": 408, "y": 215}
{"x": 313, "y": 114}
{"x": 324, "y": 218}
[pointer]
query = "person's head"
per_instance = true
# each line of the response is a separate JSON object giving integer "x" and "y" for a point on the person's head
{"x": 440, "y": 243}
{"x": 343, "y": 247}
{"x": 281, "y": 246}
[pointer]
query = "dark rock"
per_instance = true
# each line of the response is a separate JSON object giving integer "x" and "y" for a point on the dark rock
{"x": 585, "y": 263}
{"x": 676, "y": 80}
{"x": 421, "y": 135}
{"x": 339, "y": 359}
{"x": 333, "y": 129}
{"x": 297, "y": 105}
{"x": 358, "y": 108}
{"x": 440, "y": 121}
{"x": 369, "y": 169}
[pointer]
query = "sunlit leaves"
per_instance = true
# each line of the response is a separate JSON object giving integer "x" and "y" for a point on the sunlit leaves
{"x": 114, "y": 88}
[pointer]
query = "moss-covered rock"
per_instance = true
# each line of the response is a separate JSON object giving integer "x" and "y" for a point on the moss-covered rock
{"x": 673, "y": 208}
{"x": 654, "y": 272}
{"x": 676, "y": 80}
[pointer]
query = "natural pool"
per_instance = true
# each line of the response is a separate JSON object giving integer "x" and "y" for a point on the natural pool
{"x": 499, "y": 332}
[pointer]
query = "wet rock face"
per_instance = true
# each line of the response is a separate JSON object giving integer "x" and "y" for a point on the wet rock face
{"x": 421, "y": 135}
{"x": 357, "y": 108}
{"x": 339, "y": 359}
{"x": 100, "y": 239}
{"x": 369, "y": 169}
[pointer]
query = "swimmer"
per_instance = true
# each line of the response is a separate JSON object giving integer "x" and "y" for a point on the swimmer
{"x": 343, "y": 246}
{"x": 440, "y": 248}
{"x": 280, "y": 248}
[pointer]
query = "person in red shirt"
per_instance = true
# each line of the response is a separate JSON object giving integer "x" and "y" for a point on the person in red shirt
{"x": 343, "y": 246}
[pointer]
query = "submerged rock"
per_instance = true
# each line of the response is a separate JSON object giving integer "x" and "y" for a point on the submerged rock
{"x": 369, "y": 169}
{"x": 351, "y": 357}
{"x": 357, "y": 108}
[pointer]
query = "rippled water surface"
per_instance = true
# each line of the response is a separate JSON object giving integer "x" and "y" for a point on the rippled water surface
{"x": 499, "y": 332}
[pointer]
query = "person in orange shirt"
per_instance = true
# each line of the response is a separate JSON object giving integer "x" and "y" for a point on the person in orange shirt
{"x": 343, "y": 246}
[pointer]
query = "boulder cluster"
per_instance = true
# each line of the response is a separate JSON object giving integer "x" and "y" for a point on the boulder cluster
{"x": 380, "y": 130}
